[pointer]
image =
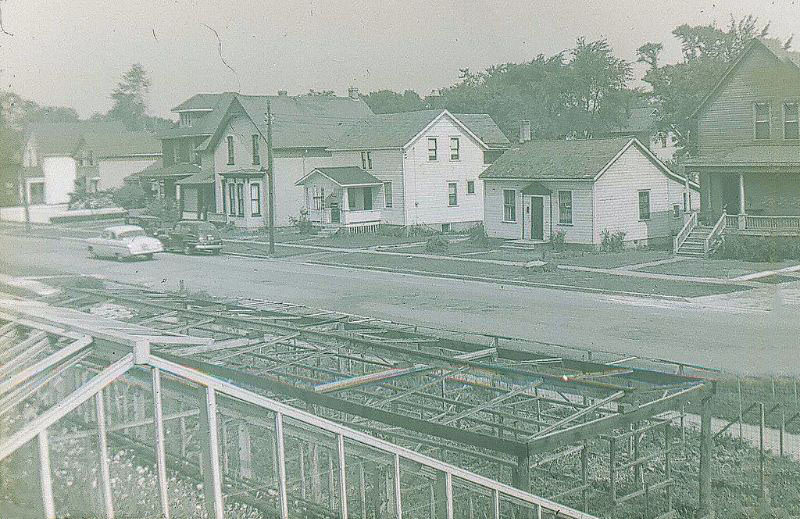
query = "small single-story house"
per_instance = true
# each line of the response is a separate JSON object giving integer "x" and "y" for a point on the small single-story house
{"x": 583, "y": 188}
{"x": 345, "y": 196}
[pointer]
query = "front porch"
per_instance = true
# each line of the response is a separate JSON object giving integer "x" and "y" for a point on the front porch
{"x": 343, "y": 198}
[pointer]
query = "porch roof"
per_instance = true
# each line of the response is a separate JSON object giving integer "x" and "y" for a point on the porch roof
{"x": 348, "y": 176}
{"x": 535, "y": 188}
{"x": 203, "y": 177}
{"x": 752, "y": 156}
{"x": 157, "y": 171}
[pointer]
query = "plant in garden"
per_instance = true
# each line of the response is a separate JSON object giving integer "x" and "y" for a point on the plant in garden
{"x": 437, "y": 244}
{"x": 612, "y": 242}
{"x": 557, "y": 240}
{"x": 478, "y": 236}
{"x": 302, "y": 223}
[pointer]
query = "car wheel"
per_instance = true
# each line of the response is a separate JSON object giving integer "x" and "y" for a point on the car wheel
{"x": 216, "y": 252}
{"x": 148, "y": 256}
{"x": 187, "y": 250}
{"x": 118, "y": 257}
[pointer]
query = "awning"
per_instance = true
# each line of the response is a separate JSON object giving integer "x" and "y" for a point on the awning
{"x": 535, "y": 188}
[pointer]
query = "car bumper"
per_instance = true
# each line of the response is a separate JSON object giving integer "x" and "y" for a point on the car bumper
{"x": 207, "y": 246}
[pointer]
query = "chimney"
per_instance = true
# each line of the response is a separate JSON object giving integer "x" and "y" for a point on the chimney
{"x": 352, "y": 92}
{"x": 524, "y": 131}
{"x": 283, "y": 93}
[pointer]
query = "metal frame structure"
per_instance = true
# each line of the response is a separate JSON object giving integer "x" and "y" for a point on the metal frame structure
{"x": 129, "y": 354}
{"x": 500, "y": 406}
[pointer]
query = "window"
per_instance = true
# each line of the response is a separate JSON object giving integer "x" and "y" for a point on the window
{"x": 367, "y": 198}
{"x": 224, "y": 198}
{"x": 186, "y": 119}
{"x": 256, "y": 154}
{"x": 366, "y": 160}
{"x": 470, "y": 187}
{"x": 432, "y": 150}
{"x": 351, "y": 198}
{"x": 232, "y": 198}
{"x": 255, "y": 199}
{"x": 36, "y": 193}
{"x": 319, "y": 198}
{"x": 91, "y": 158}
{"x": 676, "y": 210}
{"x": 230, "y": 150}
{"x": 454, "y": 148}
{"x": 644, "y": 205}
{"x": 761, "y": 118}
{"x": 452, "y": 194}
{"x": 387, "y": 194}
{"x": 509, "y": 205}
{"x": 565, "y": 207}
{"x": 240, "y": 199}
{"x": 791, "y": 121}
{"x": 685, "y": 202}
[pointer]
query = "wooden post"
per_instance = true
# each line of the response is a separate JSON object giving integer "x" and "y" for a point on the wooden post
{"x": 270, "y": 182}
{"x": 316, "y": 481}
{"x": 245, "y": 452}
{"x": 761, "y": 492}
{"x": 739, "y": 391}
{"x": 704, "y": 494}
{"x": 782, "y": 430}
{"x": 585, "y": 475}
{"x": 283, "y": 501}
{"x": 104, "y": 464}
{"x": 212, "y": 478}
{"x": 45, "y": 477}
{"x": 522, "y": 473}
{"x": 161, "y": 456}
{"x": 612, "y": 468}
{"x": 668, "y": 462}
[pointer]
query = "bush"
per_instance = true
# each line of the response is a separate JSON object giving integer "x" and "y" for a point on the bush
{"x": 81, "y": 198}
{"x": 165, "y": 209}
{"x": 302, "y": 223}
{"x": 758, "y": 248}
{"x": 558, "y": 240}
{"x": 478, "y": 236}
{"x": 130, "y": 196}
{"x": 437, "y": 244}
{"x": 612, "y": 242}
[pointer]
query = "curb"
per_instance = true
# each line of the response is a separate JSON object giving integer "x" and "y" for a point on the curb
{"x": 501, "y": 281}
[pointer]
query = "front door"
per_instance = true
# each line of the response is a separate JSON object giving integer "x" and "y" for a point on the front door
{"x": 335, "y": 213}
{"x": 537, "y": 218}
{"x": 730, "y": 193}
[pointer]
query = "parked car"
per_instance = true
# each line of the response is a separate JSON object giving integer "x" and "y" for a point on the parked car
{"x": 192, "y": 236}
{"x": 123, "y": 242}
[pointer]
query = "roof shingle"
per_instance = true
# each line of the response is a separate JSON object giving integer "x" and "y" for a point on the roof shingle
{"x": 345, "y": 176}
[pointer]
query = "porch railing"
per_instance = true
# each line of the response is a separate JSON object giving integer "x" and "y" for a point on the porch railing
{"x": 715, "y": 233}
{"x": 772, "y": 223}
{"x": 350, "y": 217}
{"x": 684, "y": 233}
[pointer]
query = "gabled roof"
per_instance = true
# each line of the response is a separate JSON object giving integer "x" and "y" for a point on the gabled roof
{"x": 65, "y": 138}
{"x": 398, "y": 129}
{"x": 124, "y": 144}
{"x": 774, "y": 47}
{"x": 204, "y": 177}
{"x": 348, "y": 176}
{"x": 298, "y": 121}
{"x": 584, "y": 160}
{"x": 642, "y": 118}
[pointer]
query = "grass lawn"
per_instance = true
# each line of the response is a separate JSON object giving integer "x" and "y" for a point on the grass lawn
{"x": 717, "y": 268}
{"x": 555, "y": 277}
{"x": 263, "y": 249}
{"x": 606, "y": 259}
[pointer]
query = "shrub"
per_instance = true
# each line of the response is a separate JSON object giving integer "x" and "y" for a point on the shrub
{"x": 612, "y": 242}
{"x": 302, "y": 223}
{"x": 478, "y": 236}
{"x": 558, "y": 241}
{"x": 130, "y": 196}
{"x": 165, "y": 209}
{"x": 437, "y": 244}
{"x": 758, "y": 248}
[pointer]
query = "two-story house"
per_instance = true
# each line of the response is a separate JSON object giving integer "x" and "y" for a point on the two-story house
{"x": 96, "y": 154}
{"x": 215, "y": 160}
{"x": 406, "y": 169}
{"x": 746, "y": 143}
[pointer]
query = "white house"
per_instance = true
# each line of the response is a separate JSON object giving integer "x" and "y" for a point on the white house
{"x": 101, "y": 154}
{"x": 583, "y": 188}
{"x": 427, "y": 164}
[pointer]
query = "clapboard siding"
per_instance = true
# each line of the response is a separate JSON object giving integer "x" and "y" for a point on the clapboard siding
{"x": 387, "y": 166}
{"x": 425, "y": 182}
{"x": 494, "y": 207}
{"x": 727, "y": 120}
{"x": 617, "y": 199}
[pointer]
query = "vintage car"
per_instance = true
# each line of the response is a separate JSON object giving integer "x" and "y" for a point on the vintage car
{"x": 123, "y": 242}
{"x": 150, "y": 224}
{"x": 190, "y": 236}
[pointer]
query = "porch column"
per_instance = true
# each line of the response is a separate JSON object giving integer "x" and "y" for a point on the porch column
{"x": 741, "y": 202}
{"x": 345, "y": 206}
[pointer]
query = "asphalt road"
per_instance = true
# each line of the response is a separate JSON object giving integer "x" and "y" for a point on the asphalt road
{"x": 735, "y": 340}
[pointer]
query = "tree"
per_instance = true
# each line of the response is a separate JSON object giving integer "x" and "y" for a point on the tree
{"x": 130, "y": 98}
{"x": 388, "y": 101}
{"x": 649, "y": 53}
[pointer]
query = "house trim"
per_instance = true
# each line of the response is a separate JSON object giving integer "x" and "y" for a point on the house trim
{"x": 435, "y": 120}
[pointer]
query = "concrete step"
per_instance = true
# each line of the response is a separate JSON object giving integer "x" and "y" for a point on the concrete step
{"x": 690, "y": 254}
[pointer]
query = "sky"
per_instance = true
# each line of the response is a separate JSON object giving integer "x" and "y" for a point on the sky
{"x": 73, "y": 52}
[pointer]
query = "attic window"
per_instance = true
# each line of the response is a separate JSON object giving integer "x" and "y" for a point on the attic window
{"x": 432, "y": 148}
{"x": 761, "y": 120}
{"x": 791, "y": 126}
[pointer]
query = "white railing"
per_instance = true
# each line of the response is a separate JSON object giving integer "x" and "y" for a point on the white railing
{"x": 345, "y": 442}
{"x": 776, "y": 224}
{"x": 715, "y": 233}
{"x": 350, "y": 217}
{"x": 731, "y": 221}
{"x": 684, "y": 233}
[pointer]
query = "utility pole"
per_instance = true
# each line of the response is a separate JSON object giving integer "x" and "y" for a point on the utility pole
{"x": 270, "y": 182}
{"x": 23, "y": 189}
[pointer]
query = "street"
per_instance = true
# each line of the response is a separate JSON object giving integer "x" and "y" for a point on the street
{"x": 741, "y": 341}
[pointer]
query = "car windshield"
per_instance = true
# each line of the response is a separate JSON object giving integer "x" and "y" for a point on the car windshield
{"x": 131, "y": 234}
{"x": 204, "y": 228}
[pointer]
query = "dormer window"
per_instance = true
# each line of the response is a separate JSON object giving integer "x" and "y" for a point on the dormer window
{"x": 761, "y": 121}
{"x": 791, "y": 121}
{"x": 230, "y": 150}
{"x": 186, "y": 119}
